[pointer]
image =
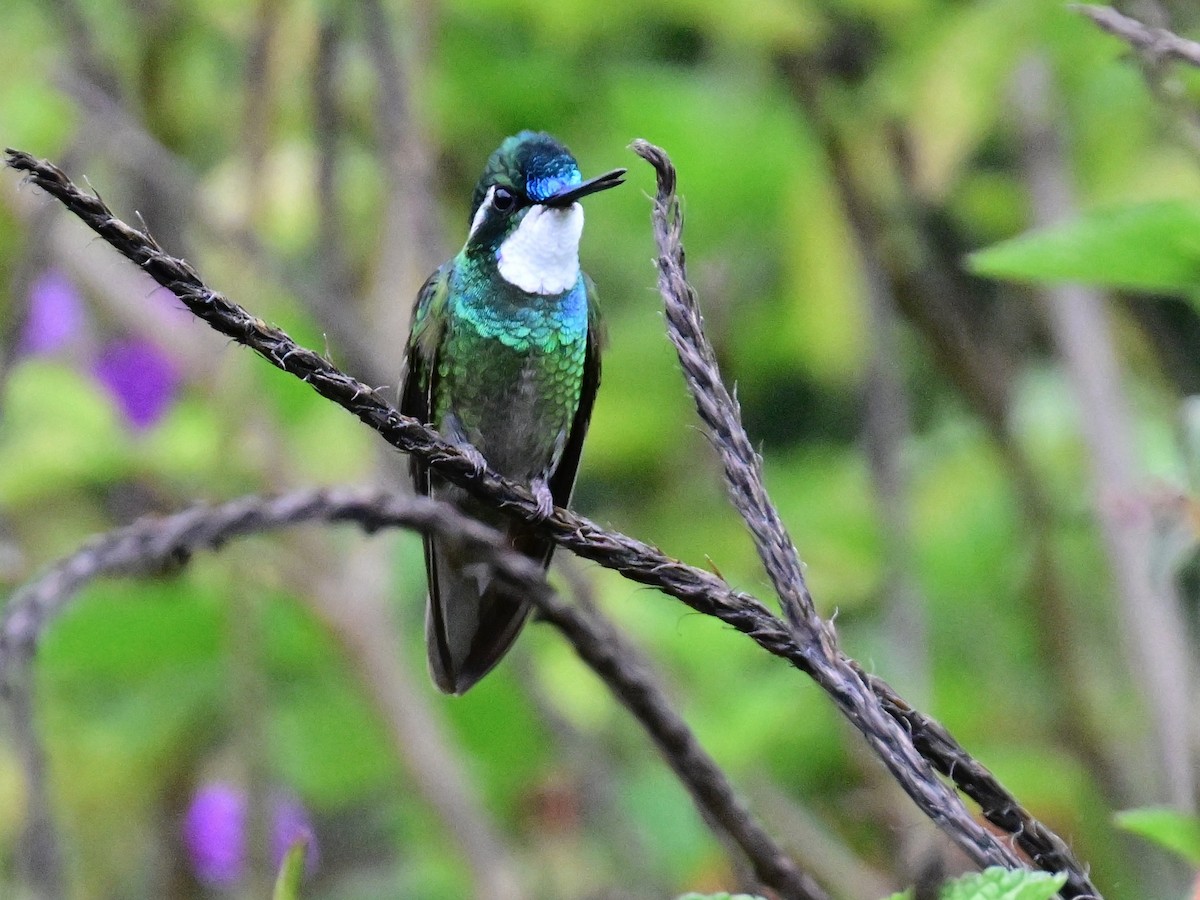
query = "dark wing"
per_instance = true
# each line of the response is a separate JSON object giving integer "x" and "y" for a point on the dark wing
{"x": 470, "y": 619}
{"x": 420, "y": 361}
{"x": 562, "y": 482}
{"x": 417, "y": 400}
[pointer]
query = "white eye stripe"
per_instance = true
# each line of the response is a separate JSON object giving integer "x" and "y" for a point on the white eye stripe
{"x": 482, "y": 211}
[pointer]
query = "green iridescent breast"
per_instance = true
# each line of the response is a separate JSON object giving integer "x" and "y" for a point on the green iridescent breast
{"x": 511, "y": 369}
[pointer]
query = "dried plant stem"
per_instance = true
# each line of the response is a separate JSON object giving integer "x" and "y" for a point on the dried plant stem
{"x": 1158, "y": 42}
{"x": 40, "y": 857}
{"x": 120, "y": 137}
{"x": 1154, "y": 626}
{"x": 702, "y": 591}
{"x": 148, "y": 546}
{"x": 843, "y": 681}
{"x": 1154, "y": 50}
{"x": 410, "y": 232}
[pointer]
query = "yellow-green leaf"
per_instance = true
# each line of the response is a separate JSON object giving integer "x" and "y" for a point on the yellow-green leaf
{"x": 1148, "y": 247}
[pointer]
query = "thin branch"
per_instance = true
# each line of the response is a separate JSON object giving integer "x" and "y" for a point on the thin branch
{"x": 40, "y": 856}
{"x": 743, "y": 471}
{"x": 592, "y": 763}
{"x": 833, "y": 861}
{"x": 1157, "y": 42}
{"x": 1152, "y": 47}
{"x": 248, "y": 686}
{"x": 259, "y": 102}
{"x": 410, "y": 243}
{"x": 350, "y": 590}
{"x": 887, "y": 425}
{"x": 933, "y": 295}
{"x": 333, "y": 263}
{"x": 124, "y": 291}
{"x": 1154, "y": 627}
{"x": 702, "y": 591}
{"x": 719, "y": 410}
{"x": 616, "y": 660}
{"x": 127, "y": 142}
{"x": 349, "y": 598}
{"x": 150, "y": 545}
{"x": 78, "y": 34}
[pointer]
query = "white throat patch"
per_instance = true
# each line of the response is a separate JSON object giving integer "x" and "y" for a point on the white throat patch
{"x": 542, "y": 255}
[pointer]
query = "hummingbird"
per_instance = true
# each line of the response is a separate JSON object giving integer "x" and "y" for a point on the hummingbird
{"x": 504, "y": 361}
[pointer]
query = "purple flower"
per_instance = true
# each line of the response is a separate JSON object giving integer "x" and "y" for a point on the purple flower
{"x": 55, "y": 317}
{"x": 140, "y": 378}
{"x": 214, "y": 832}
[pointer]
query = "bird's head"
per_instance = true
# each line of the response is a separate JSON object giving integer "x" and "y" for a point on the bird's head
{"x": 525, "y": 218}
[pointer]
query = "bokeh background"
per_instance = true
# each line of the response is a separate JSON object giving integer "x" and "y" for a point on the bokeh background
{"x": 926, "y": 438}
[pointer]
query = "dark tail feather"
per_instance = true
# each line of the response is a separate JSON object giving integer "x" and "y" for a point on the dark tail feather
{"x": 473, "y": 616}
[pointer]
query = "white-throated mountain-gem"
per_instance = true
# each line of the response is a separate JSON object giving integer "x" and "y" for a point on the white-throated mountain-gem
{"x": 504, "y": 359}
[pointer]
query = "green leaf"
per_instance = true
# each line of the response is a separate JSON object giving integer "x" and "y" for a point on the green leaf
{"x": 1004, "y": 884}
{"x": 291, "y": 871}
{"x": 1146, "y": 247}
{"x": 998, "y": 884}
{"x": 1168, "y": 828}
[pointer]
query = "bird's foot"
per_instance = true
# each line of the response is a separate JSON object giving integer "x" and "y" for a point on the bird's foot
{"x": 474, "y": 458}
{"x": 545, "y": 499}
{"x": 454, "y": 429}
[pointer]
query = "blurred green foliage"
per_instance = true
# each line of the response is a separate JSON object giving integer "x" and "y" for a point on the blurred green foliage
{"x": 138, "y": 694}
{"x": 1168, "y": 828}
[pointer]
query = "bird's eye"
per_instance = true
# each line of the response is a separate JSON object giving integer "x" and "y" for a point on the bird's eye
{"x": 504, "y": 200}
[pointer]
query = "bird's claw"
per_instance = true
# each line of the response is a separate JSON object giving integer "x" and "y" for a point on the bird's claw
{"x": 544, "y": 498}
{"x": 474, "y": 459}
{"x": 457, "y": 433}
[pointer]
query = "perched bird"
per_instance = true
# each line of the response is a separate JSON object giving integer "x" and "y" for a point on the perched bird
{"x": 504, "y": 360}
